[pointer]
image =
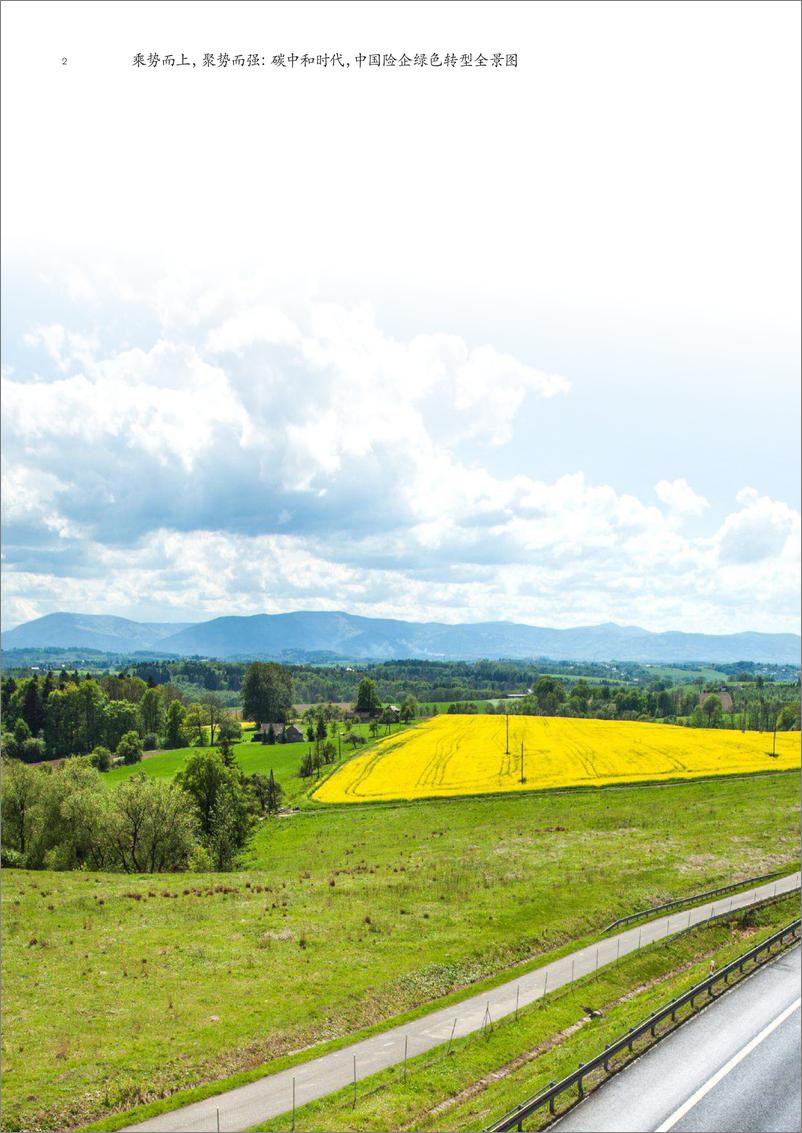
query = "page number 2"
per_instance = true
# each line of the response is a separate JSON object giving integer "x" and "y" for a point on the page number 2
{"x": 64, "y": 60}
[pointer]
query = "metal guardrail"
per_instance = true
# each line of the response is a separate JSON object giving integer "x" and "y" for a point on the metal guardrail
{"x": 515, "y": 1118}
{"x": 696, "y": 897}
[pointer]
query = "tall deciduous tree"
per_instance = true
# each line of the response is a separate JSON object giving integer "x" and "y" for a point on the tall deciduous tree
{"x": 151, "y": 712}
{"x": 367, "y": 697}
{"x": 174, "y": 728}
{"x": 214, "y": 709}
{"x": 266, "y": 692}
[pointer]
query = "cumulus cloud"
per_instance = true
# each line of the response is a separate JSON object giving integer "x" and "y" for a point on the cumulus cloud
{"x": 246, "y": 456}
{"x": 680, "y": 498}
{"x": 762, "y": 529}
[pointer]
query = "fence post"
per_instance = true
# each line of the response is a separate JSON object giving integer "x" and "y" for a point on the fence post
{"x": 579, "y": 1082}
{"x": 406, "y": 1047}
{"x": 517, "y": 998}
{"x": 293, "y": 1103}
{"x": 354, "y": 1081}
{"x": 551, "y": 1099}
{"x": 451, "y": 1039}
{"x": 218, "y": 1121}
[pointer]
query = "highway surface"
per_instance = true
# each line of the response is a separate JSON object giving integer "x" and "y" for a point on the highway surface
{"x": 733, "y": 1069}
{"x": 244, "y": 1106}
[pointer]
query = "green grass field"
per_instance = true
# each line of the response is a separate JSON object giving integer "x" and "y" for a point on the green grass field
{"x": 283, "y": 759}
{"x": 687, "y": 676}
{"x": 119, "y": 990}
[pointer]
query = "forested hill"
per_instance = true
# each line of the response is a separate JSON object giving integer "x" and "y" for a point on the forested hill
{"x": 342, "y": 636}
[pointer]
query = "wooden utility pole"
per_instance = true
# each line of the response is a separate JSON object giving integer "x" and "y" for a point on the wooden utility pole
{"x": 523, "y": 778}
{"x": 507, "y": 719}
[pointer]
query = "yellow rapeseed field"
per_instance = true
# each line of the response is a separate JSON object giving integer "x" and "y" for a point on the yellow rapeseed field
{"x": 467, "y": 755}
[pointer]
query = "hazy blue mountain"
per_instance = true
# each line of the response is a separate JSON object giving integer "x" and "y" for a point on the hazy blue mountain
{"x": 337, "y": 634}
{"x": 90, "y": 631}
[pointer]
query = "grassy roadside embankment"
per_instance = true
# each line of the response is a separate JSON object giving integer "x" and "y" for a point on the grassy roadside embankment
{"x": 486, "y": 1074}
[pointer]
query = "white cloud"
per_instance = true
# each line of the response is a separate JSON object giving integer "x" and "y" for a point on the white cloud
{"x": 762, "y": 529}
{"x": 250, "y": 458}
{"x": 64, "y": 347}
{"x": 679, "y": 497}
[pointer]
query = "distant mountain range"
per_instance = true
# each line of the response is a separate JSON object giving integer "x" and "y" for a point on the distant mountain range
{"x": 344, "y": 636}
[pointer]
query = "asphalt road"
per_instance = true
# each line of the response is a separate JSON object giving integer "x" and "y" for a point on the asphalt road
{"x": 240, "y": 1108}
{"x": 735, "y": 1067}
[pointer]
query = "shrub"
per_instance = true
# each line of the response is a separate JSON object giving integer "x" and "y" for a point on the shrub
{"x": 150, "y": 742}
{"x": 129, "y": 749}
{"x": 10, "y": 858}
{"x": 230, "y": 729}
{"x": 31, "y": 750}
{"x": 199, "y": 860}
{"x": 100, "y": 757}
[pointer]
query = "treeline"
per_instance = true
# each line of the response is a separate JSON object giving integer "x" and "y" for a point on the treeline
{"x": 117, "y": 715}
{"x": 760, "y": 709}
{"x": 425, "y": 680}
{"x": 63, "y": 817}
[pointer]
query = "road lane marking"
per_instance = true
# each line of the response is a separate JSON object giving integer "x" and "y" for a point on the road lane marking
{"x": 678, "y": 1114}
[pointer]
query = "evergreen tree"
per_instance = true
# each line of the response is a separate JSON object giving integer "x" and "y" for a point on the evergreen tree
{"x": 48, "y": 686}
{"x": 33, "y": 712}
{"x": 226, "y": 748}
{"x": 274, "y": 793}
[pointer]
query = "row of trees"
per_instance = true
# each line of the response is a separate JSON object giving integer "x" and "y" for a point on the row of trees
{"x": 64, "y": 818}
{"x": 49, "y": 717}
{"x": 750, "y": 710}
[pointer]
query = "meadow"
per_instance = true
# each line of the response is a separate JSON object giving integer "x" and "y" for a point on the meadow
{"x": 120, "y": 989}
{"x": 470, "y": 755}
{"x": 252, "y": 756}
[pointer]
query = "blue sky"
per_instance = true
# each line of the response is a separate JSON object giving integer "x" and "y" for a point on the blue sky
{"x": 463, "y": 351}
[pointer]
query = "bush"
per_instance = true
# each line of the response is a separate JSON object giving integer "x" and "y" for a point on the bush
{"x": 11, "y": 859}
{"x": 199, "y": 860}
{"x": 129, "y": 749}
{"x": 230, "y": 729}
{"x": 100, "y": 758}
{"x": 150, "y": 741}
{"x": 31, "y": 751}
